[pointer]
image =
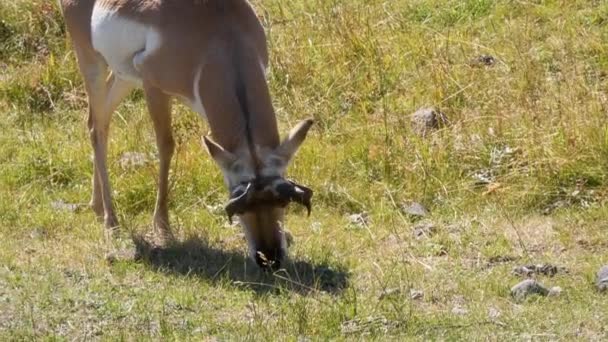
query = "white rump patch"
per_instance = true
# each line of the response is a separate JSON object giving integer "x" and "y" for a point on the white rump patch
{"x": 122, "y": 42}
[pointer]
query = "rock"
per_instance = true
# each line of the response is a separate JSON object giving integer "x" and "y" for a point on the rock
{"x": 526, "y": 288}
{"x": 416, "y": 294}
{"x": 39, "y": 233}
{"x": 459, "y": 310}
{"x": 494, "y": 313}
{"x": 63, "y": 206}
{"x": 602, "y": 279}
{"x": 389, "y": 292}
{"x": 120, "y": 255}
{"x": 415, "y": 209}
{"x": 360, "y": 220}
{"x": 424, "y": 230}
{"x": 132, "y": 159}
{"x": 555, "y": 291}
{"x": 483, "y": 60}
{"x": 544, "y": 269}
{"x": 425, "y": 120}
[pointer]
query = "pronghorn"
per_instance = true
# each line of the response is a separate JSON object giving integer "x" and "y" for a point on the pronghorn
{"x": 212, "y": 55}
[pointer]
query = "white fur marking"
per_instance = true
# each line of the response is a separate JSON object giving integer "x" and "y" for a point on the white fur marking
{"x": 123, "y": 43}
{"x": 197, "y": 105}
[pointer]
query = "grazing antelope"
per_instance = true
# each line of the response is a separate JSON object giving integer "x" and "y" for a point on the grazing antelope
{"x": 212, "y": 55}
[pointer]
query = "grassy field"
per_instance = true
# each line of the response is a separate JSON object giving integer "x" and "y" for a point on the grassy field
{"x": 518, "y": 176}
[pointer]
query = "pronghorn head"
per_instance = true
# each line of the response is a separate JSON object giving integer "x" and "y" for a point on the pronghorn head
{"x": 259, "y": 192}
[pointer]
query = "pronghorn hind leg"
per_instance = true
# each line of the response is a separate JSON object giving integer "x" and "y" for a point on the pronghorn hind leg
{"x": 104, "y": 93}
{"x": 159, "y": 106}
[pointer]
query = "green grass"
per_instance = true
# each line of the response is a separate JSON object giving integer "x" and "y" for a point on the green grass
{"x": 535, "y": 122}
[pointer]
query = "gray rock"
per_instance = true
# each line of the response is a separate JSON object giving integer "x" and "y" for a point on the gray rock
{"x": 425, "y": 120}
{"x": 542, "y": 269}
{"x": 459, "y": 310}
{"x": 416, "y": 294}
{"x": 555, "y": 291}
{"x": 63, "y": 206}
{"x": 133, "y": 160}
{"x": 360, "y": 220}
{"x": 424, "y": 230}
{"x": 602, "y": 279}
{"x": 483, "y": 60}
{"x": 415, "y": 209}
{"x": 389, "y": 293}
{"x": 528, "y": 287}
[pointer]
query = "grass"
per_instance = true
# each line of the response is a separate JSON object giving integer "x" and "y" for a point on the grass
{"x": 534, "y": 124}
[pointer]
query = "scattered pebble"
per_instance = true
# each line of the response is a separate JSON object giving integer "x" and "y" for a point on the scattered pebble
{"x": 389, "y": 292}
{"x": 528, "y": 287}
{"x": 459, "y": 310}
{"x": 501, "y": 259}
{"x": 602, "y": 279}
{"x": 424, "y": 230}
{"x": 39, "y": 233}
{"x": 416, "y": 294}
{"x": 494, "y": 313}
{"x": 360, "y": 220}
{"x": 62, "y": 206}
{"x": 415, "y": 209}
{"x": 425, "y": 120}
{"x": 120, "y": 255}
{"x": 555, "y": 291}
{"x": 483, "y": 60}
{"x": 132, "y": 159}
{"x": 542, "y": 269}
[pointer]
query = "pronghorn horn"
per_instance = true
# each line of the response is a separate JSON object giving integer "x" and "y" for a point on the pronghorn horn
{"x": 293, "y": 192}
{"x": 238, "y": 202}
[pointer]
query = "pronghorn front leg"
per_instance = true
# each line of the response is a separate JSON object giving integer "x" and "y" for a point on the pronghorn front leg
{"x": 159, "y": 106}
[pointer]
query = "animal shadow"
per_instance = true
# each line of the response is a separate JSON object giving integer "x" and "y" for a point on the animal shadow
{"x": 195, "y": 257}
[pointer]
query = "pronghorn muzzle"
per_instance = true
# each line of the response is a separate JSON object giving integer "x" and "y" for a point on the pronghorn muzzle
{"x": 272, "y": 191}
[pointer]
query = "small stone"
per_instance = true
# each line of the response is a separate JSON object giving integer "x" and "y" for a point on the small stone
{"x": 416, "y": 294}
{"x": 132, "y": 159}
{"x": 389, "y": 292}
{"x": 555, "y": 291}
{"x": 602, "y": 279}
{"x": 38, "y": 233}
{"x": 494, "y": 313}
{"x": 526, "y": 288}
{"x": 542, "y": 269}
{"x": 459, "y": 310}
{"x": 415, "y": 209}
{"x": 63, "y": 206}
{"x": 426, "y": 119}
{"x": 120, "y": 255}
{"x": 424, "y": 230}
{"x": 483, "y": 60}
{"x": 360, "y": 220}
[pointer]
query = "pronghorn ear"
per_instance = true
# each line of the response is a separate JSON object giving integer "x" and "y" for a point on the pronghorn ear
{"x": 296, "y": 137}
{"x": 218, "y": 153}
